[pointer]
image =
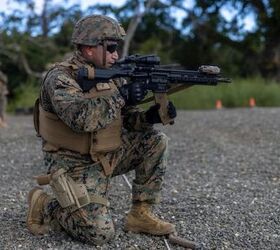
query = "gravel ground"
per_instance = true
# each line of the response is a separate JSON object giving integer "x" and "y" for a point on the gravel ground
{"x": 221, "y": 188}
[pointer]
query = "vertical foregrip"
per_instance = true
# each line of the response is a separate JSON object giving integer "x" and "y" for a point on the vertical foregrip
{"x": 162, "y": 99}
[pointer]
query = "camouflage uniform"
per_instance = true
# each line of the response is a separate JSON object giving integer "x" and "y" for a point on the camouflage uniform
{"x": 3, "y": 94}
{"x": 143, "y": 149}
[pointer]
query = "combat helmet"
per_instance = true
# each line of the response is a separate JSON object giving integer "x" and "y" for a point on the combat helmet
{"x": 95, "y": 29}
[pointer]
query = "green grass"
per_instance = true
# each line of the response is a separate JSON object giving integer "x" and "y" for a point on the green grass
{"x": 236, "y": 94}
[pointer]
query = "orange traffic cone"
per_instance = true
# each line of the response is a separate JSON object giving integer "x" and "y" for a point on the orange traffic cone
{"x": 219, "y": 104}
{"x": 252, "y": 102}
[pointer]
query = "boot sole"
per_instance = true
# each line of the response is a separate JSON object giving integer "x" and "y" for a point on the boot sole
{"x": 31, "y": 193}
{"x": 31, "y": 196}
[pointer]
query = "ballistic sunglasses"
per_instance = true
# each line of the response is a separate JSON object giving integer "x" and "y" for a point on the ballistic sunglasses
{"x": 111, "y": 47}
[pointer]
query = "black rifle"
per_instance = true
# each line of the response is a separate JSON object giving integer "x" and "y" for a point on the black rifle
{"x": 147, "y": 72}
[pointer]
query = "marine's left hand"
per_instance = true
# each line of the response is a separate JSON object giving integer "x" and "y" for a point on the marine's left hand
{"x": 152, "y": 114}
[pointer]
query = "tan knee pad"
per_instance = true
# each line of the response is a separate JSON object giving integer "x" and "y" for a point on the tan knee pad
{"x": 67, "y": 192}
{"x": 70, "y": 194}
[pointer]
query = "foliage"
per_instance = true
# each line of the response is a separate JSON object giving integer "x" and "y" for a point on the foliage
{"x": 24, "y": 96}
{"x": 29, "y": 41}
{"x": 237, "y": 94}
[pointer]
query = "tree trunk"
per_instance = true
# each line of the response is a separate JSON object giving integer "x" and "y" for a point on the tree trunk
{"x": 270, "y": 61}
{"x": 134, "y": 23}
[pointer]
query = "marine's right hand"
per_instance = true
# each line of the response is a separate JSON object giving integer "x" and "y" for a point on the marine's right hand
{"x": 133, "y": 93}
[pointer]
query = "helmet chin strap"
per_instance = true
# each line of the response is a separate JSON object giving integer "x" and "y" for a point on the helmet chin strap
{"x": 104, "y": 43}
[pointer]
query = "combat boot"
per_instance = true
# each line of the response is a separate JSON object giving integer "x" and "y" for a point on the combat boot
{"x": 37, "y": 199}
{"x": 140, "y": 219}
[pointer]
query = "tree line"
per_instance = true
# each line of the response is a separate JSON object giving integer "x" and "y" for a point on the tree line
{"x": 29, "y": 41}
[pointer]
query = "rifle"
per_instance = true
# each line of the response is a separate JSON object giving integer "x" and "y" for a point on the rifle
{"x": 146, "y": 72}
